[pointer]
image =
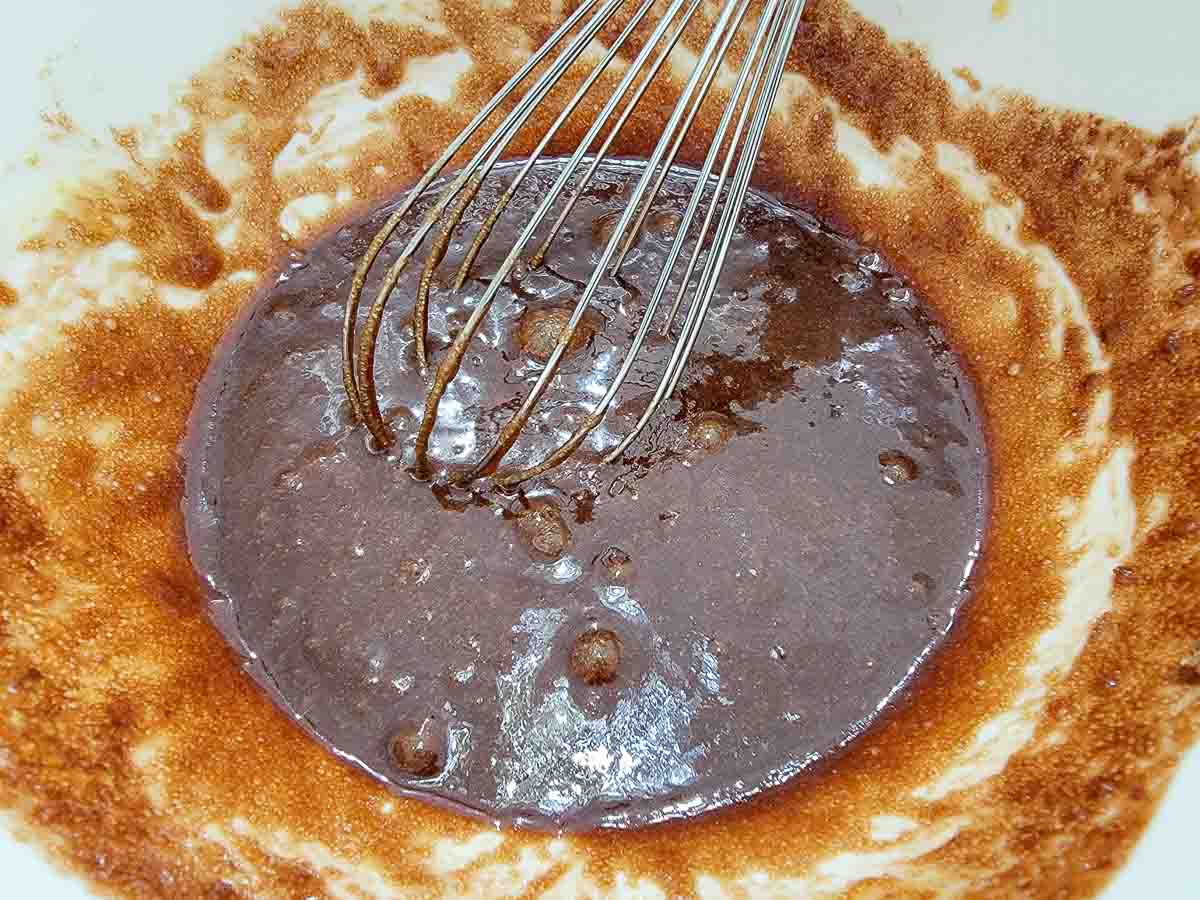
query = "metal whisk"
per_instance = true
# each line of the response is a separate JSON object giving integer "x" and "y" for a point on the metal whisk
{"x": 737, "y": 139}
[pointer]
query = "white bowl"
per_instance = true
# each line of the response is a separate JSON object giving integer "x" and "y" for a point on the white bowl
{"x": 111, "y": 62}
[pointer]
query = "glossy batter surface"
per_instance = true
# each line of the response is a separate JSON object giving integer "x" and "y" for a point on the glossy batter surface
{"x": 614, "y": 645}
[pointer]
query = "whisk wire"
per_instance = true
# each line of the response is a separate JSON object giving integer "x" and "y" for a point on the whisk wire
{"x": 442, "y": 240}
{"x": 539, "y": 255}
{"x": 680, "y": 134}
{"x": 735, "y": 104}
{"x": 364, "y": 359}
{"x": 511, "y": 430}
{"x": 729, "y": 216}
{"x": 381, "y": 238}
{"x": 749, "y": 101}
{"x": 597, "y": 71}
{"x": 452, "y": 360}
{"x": 564, "y": 450}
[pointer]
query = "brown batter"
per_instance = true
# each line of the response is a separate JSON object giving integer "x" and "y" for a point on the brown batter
{"x": 613, "y": 645}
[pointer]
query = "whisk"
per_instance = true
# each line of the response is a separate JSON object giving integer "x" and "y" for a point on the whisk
{"x": 736, "y": 142}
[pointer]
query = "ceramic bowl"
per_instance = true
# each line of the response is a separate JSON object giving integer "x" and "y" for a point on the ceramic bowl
{"x": 1032, "y": 166}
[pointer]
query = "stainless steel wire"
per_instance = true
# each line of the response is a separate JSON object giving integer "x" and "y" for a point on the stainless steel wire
{"x": 747, "y": 110}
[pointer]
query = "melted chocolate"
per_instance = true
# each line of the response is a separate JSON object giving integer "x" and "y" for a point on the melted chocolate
{"x": 746, "y": 592}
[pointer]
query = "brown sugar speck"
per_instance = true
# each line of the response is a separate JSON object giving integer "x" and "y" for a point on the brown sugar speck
{"x": 1171, "y": 344}
{"x": 1192, "y": 263}
{"x": 1190, "y": 666}
{"x": 710, "y": 431}
{"x": 195, "y": 269}
{"x": 418, "y": 752}
{"x": 603, "y": 228}
{"x": 896, "y": 467}
{"x": 8, "y": 294}
{"x": 663, "y": 224}
{"x": 543, "y": 531}
{"x": 189, "y": 169}
{"x": 540, "y": 330}
{"x": 584, "y": 502}
{"x": 59, "y": 121}
{"x": 969, "y": 78}
{"x": 1123, "y": 575}
{"x": 616, "y": 564}
{"x": 596, "y": 656}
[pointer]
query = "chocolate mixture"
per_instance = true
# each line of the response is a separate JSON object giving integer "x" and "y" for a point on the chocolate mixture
{"x": 749, "y": 589}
